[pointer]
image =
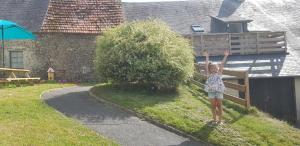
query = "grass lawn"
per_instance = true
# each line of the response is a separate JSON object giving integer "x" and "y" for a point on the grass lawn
{"x": 26, "y": 120}
{"x": 189, "y": 110}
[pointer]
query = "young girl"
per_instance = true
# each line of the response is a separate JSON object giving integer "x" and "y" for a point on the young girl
{"x": 215, "y": 86}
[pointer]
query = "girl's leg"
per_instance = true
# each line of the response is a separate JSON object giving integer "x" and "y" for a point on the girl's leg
{"x": 216, "y": 107}
{"x": 220, "y": 109}
{"x": 213, "y": 109}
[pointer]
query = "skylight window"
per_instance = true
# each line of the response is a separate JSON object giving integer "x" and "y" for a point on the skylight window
{"x": 197, "y": 28}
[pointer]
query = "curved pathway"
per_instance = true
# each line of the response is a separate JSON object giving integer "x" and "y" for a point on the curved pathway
{"x": 123, "y": 127}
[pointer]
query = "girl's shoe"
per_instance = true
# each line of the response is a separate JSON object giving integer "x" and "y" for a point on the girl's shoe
{"x": 220, "y": 123}
{"x": 213, "y": 123}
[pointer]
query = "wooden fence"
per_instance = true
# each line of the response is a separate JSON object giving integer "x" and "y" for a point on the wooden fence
{"x": 199, "y": 77}
{"x": 240, "y": 43}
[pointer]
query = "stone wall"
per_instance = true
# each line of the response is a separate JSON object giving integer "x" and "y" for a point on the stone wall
{"x": 70, "y": 55}
{"x": 27, "y": 46}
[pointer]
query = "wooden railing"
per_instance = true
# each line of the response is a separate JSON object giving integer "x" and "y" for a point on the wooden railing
{"x": 240, "y": 43}
{"x": 199, "y": 78}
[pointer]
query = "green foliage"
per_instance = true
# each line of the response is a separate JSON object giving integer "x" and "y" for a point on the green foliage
{"x": 12, "y": 86}
{"x": 145, "y": 52}
{"x": 51, "y": 82}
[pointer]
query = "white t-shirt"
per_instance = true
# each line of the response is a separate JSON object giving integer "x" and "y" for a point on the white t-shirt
{"x": 214, "y": 83}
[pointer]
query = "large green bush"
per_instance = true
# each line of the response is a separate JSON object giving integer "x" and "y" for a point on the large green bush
{"x": 145, "y": 52}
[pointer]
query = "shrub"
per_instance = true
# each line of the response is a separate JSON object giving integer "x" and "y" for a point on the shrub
{"x": 144, "y": 52}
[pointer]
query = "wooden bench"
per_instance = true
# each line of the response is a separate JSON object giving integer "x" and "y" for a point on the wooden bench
{"x": 12, "y": 75}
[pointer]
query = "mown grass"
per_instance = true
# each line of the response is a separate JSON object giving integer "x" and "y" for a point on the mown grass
{"x": 26, "y": 120}
{"x": 189, "y": 110}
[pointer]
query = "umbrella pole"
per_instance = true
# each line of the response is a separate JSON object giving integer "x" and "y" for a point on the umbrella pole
{"x": 2, "y": 34}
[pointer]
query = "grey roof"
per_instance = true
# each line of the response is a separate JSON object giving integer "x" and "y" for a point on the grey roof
{"x": 265, "y": 65}
{"x": 28, "y": 13}
{"x": 266, "y": 15}
{"x": 180, "y": 15}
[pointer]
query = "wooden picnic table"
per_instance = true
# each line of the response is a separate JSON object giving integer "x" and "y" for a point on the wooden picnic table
{"x": 13, "y": 75}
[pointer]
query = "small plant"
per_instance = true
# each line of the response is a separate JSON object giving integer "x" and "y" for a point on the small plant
{"x": 145, "y": 53}
{"x": 51, "y": 82}
{"x": 12, "y": 86}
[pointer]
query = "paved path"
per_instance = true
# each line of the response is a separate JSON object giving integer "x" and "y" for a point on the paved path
{"x": 123, "y": 127}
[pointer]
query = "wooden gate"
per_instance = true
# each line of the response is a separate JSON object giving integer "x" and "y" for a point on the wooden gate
{"x": 200, "y": 76}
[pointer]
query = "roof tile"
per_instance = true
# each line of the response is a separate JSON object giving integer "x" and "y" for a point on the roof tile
{"x": 82, "y": 16}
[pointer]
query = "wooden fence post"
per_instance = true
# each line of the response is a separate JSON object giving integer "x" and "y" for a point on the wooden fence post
{"x": 229, "y": 41}
{"x": 247, "y": 94}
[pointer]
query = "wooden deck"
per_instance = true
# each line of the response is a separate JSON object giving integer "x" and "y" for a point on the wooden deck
{"x": 240, "y": 43}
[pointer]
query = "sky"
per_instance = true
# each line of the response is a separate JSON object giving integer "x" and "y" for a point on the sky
{"x": 149, "y": 0}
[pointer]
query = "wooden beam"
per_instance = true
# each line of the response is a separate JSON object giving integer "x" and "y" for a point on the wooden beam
{"x": 235, "y": 86}
{"x": 235, "y": 99}
{"x": 239, "y": 74}
{"x": 12, "y": 69}
{"x": 3, "y": 81}
{"x": 241, "y": 46}
{"x": 198, "y": 83}
{"x": 27, "y": 75}
{"x": 247, "y": 92}
{"x": 272, "y": 39}
{"x": 246, "y": 50}
{"x": 272, "y": 34}
{"x": 12, "y": 75}
{"x": 243, "y": 40}
{"x": 271, "y": 45}
{"x": 271, "y": 50}
{"x": 21, "y": 79}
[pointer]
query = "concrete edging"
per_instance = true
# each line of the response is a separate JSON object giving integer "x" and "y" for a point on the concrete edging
{"x": 148, "y": 119}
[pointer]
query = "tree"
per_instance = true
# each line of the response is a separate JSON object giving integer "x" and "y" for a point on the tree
{"x": 144, "y": 52}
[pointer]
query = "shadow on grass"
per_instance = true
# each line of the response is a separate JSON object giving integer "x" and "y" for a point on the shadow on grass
{"x": 133, "y": 96}
{"x": 205, "y": 130}
{"x": 227, "y": 105}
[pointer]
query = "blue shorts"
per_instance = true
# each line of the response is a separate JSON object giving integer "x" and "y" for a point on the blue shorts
{"x": 215, "y": 95}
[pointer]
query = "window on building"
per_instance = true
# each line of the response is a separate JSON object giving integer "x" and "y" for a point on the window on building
{"x": 16, "y": 59}
{"x": 197, "y": 28}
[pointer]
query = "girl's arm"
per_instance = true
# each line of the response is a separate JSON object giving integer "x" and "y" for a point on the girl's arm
{"x": 205, "y": 53}
{"x": 226, "y": 53}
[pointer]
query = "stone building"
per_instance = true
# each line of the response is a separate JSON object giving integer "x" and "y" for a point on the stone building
{"x": 66, "y": 34}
